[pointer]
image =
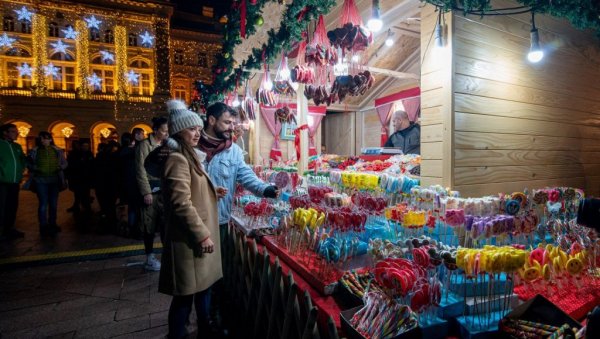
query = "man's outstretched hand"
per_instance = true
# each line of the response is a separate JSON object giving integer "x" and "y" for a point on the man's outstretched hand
{"x": 271, "y": 192}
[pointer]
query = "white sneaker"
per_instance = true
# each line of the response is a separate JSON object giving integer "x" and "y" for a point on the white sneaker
{"x": 152, "y": 264}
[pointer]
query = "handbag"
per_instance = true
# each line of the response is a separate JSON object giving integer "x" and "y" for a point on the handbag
{"x": 30, "y": 185}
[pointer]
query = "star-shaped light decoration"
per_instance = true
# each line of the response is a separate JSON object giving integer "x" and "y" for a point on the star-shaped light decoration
{"x": 92, "y": 22}
{"x": 133, "y": 77}
{"x": 52, "y": 70}
{"x": 147, "y": 39}
{"x": 6, "y": 41}
{"x": 107, "y": 56}
{"x": 23, "y": 14}
{"x": 59, "y": 46}
{"x": 70, "y": 33}
{"x": 24, "y": 70}
{"x": 95, "y": 80}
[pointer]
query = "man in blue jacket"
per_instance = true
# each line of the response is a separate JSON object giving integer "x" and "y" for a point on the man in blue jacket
{"x": 225, "y": 161}
{"x": 12, "y": 164}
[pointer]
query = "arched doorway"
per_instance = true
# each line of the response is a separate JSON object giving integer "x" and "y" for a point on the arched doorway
{"x": 26, "y": 138}
{"x": 64, "y": 133}
{"x": 147, "y": 129}
{"x": 102, "y": 132}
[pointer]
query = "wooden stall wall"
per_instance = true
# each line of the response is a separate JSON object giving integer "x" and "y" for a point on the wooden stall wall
{"x": 265, "y": 140}
{"x": 519, "y": 125}
{"x": 342, "y": 131}
{"x": 437, "y": 117}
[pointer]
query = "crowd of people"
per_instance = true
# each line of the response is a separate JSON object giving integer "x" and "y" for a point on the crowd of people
{"x": 178, "y": 182}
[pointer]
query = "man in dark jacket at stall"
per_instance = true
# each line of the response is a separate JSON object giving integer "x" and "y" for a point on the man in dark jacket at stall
{"x": 407, "y": 135}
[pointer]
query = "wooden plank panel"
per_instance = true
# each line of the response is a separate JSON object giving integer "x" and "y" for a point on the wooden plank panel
{"x": 467, "y": 158}
{"x": 495, "y": 174}
{"x": 492, "y": 124}
{"x": 431, "y": 168}
{"x": 430, "y": 181}
{"x": 432, "y": 98}
{"x": 431, "y": 116}
{"x": 504, "y": 108}
{"x": 516, "y": 186}
{"x": 592, "y": 185}
{"x": 432, "y": 150}
{"x": 494, "y": 89}
{"x": 432, "y": 133}
{"x": 431, "y": 81}
{"x": 483, "y": 140}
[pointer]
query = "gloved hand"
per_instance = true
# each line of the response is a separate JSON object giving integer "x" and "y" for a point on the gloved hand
{"x": 271, "y": 192}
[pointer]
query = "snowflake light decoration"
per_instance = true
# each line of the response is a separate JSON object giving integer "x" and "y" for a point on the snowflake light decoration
{"x": 24, "y": 69}
{"x": 133, "y": 77}
{"x": 70, "y": 33}
{"x": 147, "y": 39}
{"x": 92, "y": 22}
{"x": 107, "y": 56}
{"x": 6, "y": 41}
{"x": 23, "y": 14}
{"x": 59, "y": 46}
{"x": 52, "y": 70}
{"x": 95, "y": 80}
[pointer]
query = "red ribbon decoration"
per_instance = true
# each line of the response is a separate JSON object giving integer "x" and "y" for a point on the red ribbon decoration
{"x": 297, "y": 139}
{"x": 243, "y": 19}
{"x": 302, "y": 13}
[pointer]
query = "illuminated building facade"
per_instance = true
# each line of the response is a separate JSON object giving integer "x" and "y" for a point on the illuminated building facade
{"x": 83, "y": 69}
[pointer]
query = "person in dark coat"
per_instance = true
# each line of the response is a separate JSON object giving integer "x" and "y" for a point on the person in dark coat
{"x": 407, "y": 135}
{"x": 129, "y": 193}
{"x": 80, "y": 175}
{"x": 106, "y": 173}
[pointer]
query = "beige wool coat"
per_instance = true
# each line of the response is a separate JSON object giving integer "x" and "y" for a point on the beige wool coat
{"x": 191, "y": 215}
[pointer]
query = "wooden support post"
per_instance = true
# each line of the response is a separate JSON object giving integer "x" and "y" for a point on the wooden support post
{"x": 302, "y": 118}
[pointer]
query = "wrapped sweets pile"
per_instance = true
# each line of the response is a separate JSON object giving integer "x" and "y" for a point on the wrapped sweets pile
{"x": 517, "y": 328}
{"x": 382, "y": 317}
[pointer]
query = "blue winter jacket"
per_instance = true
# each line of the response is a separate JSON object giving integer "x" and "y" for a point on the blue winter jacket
{"x": 225, "y": 169}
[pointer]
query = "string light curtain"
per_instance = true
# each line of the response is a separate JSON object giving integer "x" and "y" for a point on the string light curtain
{"x": 39, "y": 37}
{"x": 82, "y": 50}
{"x": 121, "y": 62}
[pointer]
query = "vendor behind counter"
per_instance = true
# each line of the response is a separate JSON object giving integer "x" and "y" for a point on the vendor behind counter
{"x": 407, "y": 135}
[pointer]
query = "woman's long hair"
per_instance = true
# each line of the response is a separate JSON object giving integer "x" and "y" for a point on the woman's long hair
{"x": 188, "y": 152}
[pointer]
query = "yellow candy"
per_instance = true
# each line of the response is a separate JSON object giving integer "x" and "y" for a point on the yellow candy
{"x": 546, "y": 272}
{"x": 574, "y": 266}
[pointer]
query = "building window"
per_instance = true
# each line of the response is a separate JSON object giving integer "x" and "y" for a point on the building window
{"x": 18, "y": 52}
{"x": 13, "y": 79}
{"x": 180, "y": 93}
{"x": 62, "y": 57}
{"x": 133, "y": 40}
{"x": 26, "y": 27}
{"x": 178, "y": 57}
{"x": 53, "y": 29}
{"x": 108, "y": 36}
{"x": 65, "y": 79}
{"x": 202, "y": 60}
{"x": 9, "y": 24}
{"x": 108, "y": 80}
{"x": 142, "y": 87}
{"x": 94, "y": 35}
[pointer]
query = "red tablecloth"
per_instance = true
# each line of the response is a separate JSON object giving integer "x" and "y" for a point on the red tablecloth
{"x": 373, "y": 157}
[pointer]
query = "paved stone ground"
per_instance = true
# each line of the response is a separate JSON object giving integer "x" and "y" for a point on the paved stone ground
{"x": 92, "y": 299}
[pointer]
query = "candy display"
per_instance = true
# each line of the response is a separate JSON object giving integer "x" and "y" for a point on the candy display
{"x": 382, "y": 317}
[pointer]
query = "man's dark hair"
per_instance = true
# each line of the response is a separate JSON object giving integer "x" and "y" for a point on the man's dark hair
{"x": 157, "y": 122}
{"x": 217, "y": 109}
{"x": 6, "y": 127}
{"x": 137, "y": 130}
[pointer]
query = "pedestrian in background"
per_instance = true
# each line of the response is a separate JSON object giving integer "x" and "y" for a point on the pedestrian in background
{"x": 12, "y": 165}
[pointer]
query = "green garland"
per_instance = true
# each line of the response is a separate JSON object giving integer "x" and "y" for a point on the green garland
{"x": 583, "y": 14}
{"x": 293, "y": 23}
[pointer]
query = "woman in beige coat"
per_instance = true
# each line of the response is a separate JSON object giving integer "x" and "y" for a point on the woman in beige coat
{"x": 191, "y": 260}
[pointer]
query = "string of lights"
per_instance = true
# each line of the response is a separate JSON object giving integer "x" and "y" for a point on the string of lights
{"x": 121, "y": 62}
{"x": 40, "y": 53}
{"x": 82, "y": 47}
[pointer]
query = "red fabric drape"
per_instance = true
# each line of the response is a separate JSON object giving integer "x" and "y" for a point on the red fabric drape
{"x": 384, "y": 112}
{"x": 297, "y": 139}
{"x": 412, "y": 107}
{"x": 268, "y": 114}
{"x": 243, "y": 19}
{"x": 312, "y": 130}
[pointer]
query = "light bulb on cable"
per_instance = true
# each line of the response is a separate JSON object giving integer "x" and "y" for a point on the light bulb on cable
{"x": 268, "y": 85}
{"x": 535, "y": 51}
{"x": 374, "y": 24}
{"x": 356, "y": 58}
{"x": 389, "y": 41}
{"x": 236, "y": 102}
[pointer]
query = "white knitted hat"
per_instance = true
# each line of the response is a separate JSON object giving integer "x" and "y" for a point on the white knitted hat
{"x": 180, "y": 117}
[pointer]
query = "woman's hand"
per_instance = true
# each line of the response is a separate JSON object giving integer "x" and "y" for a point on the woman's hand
{"x": 221, "y": 192}
{"x": 208, "y": 246}
{"x": 148, "y": 199}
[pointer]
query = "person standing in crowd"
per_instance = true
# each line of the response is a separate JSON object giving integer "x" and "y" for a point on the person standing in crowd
{"x": 106, "y": 172}
{"x": 191, "y": 260}
{"x": 46, "y": 164}
{"x": 407, "y": 135}
{"x": 225, "y": 160}
{"x": 149, "y": 188}
{"x": 80, "y": 175}
{"x": 138, "y": 134}
{"x": 129, "y": 194}
{"x": 12, "y": 165}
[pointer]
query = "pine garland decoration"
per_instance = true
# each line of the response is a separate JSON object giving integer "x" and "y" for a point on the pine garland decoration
{"x": 295, "y": 19}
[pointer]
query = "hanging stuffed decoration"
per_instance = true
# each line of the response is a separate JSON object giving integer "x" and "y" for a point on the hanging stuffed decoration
{"x": 284, "y": 115}
{"x": 301, "y": 73}
{"x": 248, "y": 103}
{"x": 283, "y": 85}
{"x": 352, "y": 36}
{"x": 322, "y": 56}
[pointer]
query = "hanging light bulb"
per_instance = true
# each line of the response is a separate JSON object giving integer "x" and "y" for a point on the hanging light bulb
{"x": 355, "y": 58}
{"x": 268, "y": 85}
{"x": 285, "y": 71}
{"x": 389, "y": 41}
{"x": 236, "y": 102}
{"x": 535, "y": 51}
{"x": 374, "y": 24}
